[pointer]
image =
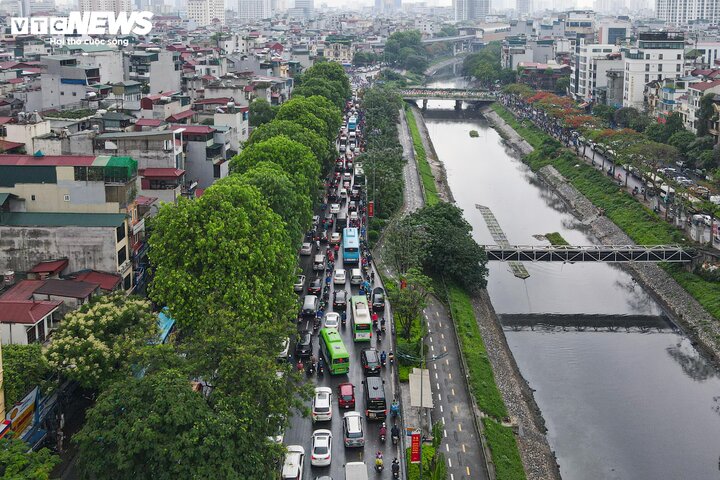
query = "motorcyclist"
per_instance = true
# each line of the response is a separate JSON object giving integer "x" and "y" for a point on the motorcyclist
{"x": 383, "y": 357}
{"x": 391, "y": 357}
{"x": 383, "y": 431}
{"x": 395, "y": 432}
{"x": 396, "y": 467}
{"x": 379, "y": 459}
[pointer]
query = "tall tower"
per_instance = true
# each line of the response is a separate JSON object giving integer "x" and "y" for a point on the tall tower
{"x": 524, "y": 7}
{"x": 116, "y": 6}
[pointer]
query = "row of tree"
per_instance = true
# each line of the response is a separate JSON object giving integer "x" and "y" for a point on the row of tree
{"x": 486, "y": 68}
{"x": 224, "y": 266}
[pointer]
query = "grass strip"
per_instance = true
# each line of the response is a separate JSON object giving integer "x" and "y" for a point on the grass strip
{"x": 503, "y": 447}
{"x": 556, "y": 239}
{"x": 482, "y": 380}
{"x": 640, "y": 223}
{"x": 426, "y": 176}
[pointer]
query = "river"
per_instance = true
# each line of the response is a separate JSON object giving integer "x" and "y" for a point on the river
{"x": 620, "y": 403}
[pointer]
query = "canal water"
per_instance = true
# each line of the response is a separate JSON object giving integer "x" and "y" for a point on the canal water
{"x": 619, "y": 403}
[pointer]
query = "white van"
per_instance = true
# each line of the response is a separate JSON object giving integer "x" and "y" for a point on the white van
{"x": 356, "y": 471}
{"x": 356, "y": 277}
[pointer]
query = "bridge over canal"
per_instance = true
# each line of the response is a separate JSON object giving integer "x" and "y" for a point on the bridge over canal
{"x": 458, "y": 94}
{"x": 590, "y": 253}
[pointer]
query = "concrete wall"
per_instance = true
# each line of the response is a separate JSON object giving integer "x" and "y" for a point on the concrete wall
{"x": 197, "y": 167}
{"x": 21, "y": 248}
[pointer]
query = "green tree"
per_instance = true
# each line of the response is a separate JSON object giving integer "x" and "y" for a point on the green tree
{"x": 333, "y": 72}
{"x": 316, "y": 113}
{"x": 656, "y": 132}
{"x": 402, "y": 47}
{"x": 682, "y": 140}
{"x": 295, "y": 158}
{"x": 625, "y": 116}
{"x": 364, "y": 58}
{"x": 416, "y": 63}
{"x": 405, "y": 246}
{"x": 283, "y": 196}
{"x": 102, "y": 340}
{"x": 705, "y": 114}
{"x": 321, "y": 87}
{"x": 261, "y": 112}
{"x": 452, "y": 252}
{"x": 562, "y": 85}
{"x": 673, "y": 124}
{"x": 157, "y": 427}
{"x": 447, "y": 31}
{"x": 409, "y": 302}
{"x": 323, "y": 150}
{"x": 223, "y": 262}
{"x": 16, "y": 463}
{"x": 24, "y": 367}
{"x": 605, "y": 112}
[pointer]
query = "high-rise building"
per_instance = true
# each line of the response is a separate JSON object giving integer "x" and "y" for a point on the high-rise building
{"x": 116, "y": 6}
{"x": 471, "y": 9}
{"x": 680, "y": 12}
{"x": 205, "y": 12}
{"x": 524, "y": 7}
{"x": 307, "y": 6}
{"x": 657, "y": 55}
{"x": 251, "y": 10}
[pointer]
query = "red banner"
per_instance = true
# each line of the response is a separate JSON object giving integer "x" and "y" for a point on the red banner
{"x": 415, "y": 448}
{"x": 371, "y": 209}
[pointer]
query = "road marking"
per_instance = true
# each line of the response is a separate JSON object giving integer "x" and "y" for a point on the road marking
{"x": 444, "y": 348}
{"x": 447, "y": 361}
{"x": 467, "y": 469}
{"x": 445, "y": 433}
{"x": 442, "y": 335}
{"x": 449, "y": 376}
{"x": 447, "y": 447}
{"x": 449, "y": 463}
{"x": 437, "y": 385}
{"x": 432, "y": 348}
{"x": 459, "y": 427}
{"x": 440, "y": 324}
{"x": 430, "y": 339}
{"x": 435, "y": 366}
{"x": 456, "y": 409}
{"x": 452, "y": 477}
{"x": 463, "y": 447}
{"x": 426, "y": 317}
{"x": 443, "y": 420}
{"x": 441, "y": 409}
{"x": 436, "y": 377}
{"x": 439, "y": 397}
{"x": 452, "y": 390}
{"x": 437, "y": 314}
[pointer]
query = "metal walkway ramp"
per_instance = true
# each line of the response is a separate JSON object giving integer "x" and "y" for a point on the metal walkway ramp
{"x": 498, "y": 235}
{"x": 592, "y": 253}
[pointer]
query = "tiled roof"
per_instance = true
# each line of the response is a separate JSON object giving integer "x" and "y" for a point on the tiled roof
{"x": 107, "y": 281}
{"x": 67, "y": 288}
{"x": 52, "y": 266}
{"x": 26, "y": 312}
{"x": 48, "y": 160}
{"x": 180, "y": 116}
{"x": 22, "y": 290}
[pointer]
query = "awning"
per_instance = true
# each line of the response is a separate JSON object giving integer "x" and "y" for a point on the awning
{"x": 162, "y": 172}
{"x": 415, "y": 400}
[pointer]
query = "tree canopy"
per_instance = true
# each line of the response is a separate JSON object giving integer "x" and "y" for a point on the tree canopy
{"x": 332, "y": 72}
{"x": 101, "y": 341}
{"x": 308, "y": 110}
{"x": 405, "y": 49}
{"x": 16, "y": 463}
{"x": 261, "y": 112}
{"x": 323, "y": 150}
{"x": 24, "y": 367}
{"x": 323, "y": 88}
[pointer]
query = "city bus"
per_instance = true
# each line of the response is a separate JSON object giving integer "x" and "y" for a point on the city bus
{"x": 351, "y": 246}
{"x": 361, "y": 323}
{"x": 358, "y": 175}
{"x": 333, "y": 351}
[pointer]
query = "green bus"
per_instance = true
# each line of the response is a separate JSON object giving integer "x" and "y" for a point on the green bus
{"x": 361, "y": 322}
{"x": 333, "y": 351}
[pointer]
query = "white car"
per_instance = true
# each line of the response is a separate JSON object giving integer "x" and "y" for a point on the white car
{"x": 322, "y": 405}
{"x": 339, "y": 277}
{"x": 321, "y": 454}
{"x": 335, "y": 208}
{"x": 332, "y": 320}
{"x": 283, "y": 355}
{"x": 335, "y": 238}
{"x": 306, "y": 249}
{"x": 294, "y": 463}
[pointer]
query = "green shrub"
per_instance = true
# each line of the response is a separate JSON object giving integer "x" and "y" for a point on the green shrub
{"x": 413, "y": 469}
{"x": 373, "y": 235}
{"x": 504, "y": 450}
{"x": 426, "y": 176}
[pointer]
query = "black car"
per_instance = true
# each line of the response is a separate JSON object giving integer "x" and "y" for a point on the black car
{"x": 340, "y": 299}
{"x": 315, "y": 286}
{"x": 378, "y": 298}
{"x": 370, "y": 361}
{"x": 303, "y": 347}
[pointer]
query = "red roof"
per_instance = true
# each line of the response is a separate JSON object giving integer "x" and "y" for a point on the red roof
{"x": 702, "y": 86}
{"x": 15, "y": 80}
{"x": 107, "y": 281}
{"x": 212, "y": 101}
{"x": 180, "y": 116}
{"x": 67, "y": 288}
{"x": 4, "y": 120}
{"x": 194, "y": 128}
{"x": 162, "y": 172}
{"x": 52, "y": 267}
{"x": 148, "y": 122}
{"x": 22, "y": 290}
{"x": 7, "y": 146}
{"x": 48, "y": 160}
{"x": 143, "y": 200}
{"x": 26, "y": 311}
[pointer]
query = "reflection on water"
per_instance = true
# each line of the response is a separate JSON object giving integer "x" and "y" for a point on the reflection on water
{"x": 623, "y": 405}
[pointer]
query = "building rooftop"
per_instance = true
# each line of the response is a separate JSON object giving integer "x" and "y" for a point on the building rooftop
{"x": 43, "y": 219}
{"x": 51, "y": 267}
{"x": 67, "y": 288}
{"x": 27, "y": 312}
{"x": 162, "y": 172}
{"x": 107, "y": 281}
{"x": 23, "y": 290}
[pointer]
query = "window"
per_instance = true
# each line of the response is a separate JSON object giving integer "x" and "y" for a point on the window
{"x": 74, "y": 94}
{"x": 31, "y": 334}
{"x": 66, "y": 198}
{"x": 120, "y": 233}
{"x": 216, "y": 171}
{"x": 122, "y": 256}
{"x": 679, "y": 55}
{"x": 127, "y": 282}
{"x": 660, "y": 56}
{"x": 647, "y": 56}
{"x": 647, "y": 67}
{"x": 660, "y": 68}
{"x": 677, "y": 67}
{"x": 647, "y": 78}
{"x": 32, "y": 197}
{"x": 62, "y": 93}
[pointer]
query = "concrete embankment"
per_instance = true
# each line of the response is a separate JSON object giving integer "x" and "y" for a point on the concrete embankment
{"x": 697, "y": 323}
{"x": 538, "y": 459}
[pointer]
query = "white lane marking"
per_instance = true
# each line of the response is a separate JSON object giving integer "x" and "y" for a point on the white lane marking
{"x": 452, "y": 390}
{"x": 435, "y": 366}
{"x": 447, "y": 447}
{"x": 452, "y": 477}
{"x": 463, "y": 447}
{"x": 444, "y": 348}
{"x": 449, "y": 463}
{"x": 447, "y": 361}
{"x": 437, "y": 385}
{"x": 443, "y": 420}
{"x": 459, "y": 427}
{"x": 436, "y": 377}
{"x": 442, "y": 335}
{"x": 440, "y": 324}
{"x": 430, "y": 339}
{"x": 441, "y": 409}
{"x": 439, "y": 397}
{"x": 445, "y": 433}
{"x": 432, "y": 348}
{"x": 449, "y": 376}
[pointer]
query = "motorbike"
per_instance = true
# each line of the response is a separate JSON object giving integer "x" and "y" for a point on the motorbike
{"x": 396, "y": 469}
{"x": 395, "y": 408}
{"x": 310, "y": 369}
{"x": 379, "y": 464}
{"x": 320, "y": 370}
{"x": 383, "y": 433}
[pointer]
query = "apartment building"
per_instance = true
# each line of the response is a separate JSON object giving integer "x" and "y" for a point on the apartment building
{"x": 116, "y": 6}
{"x": 159, "y": 69}
{"x": 656, "y": 56}
{"x": 593, "y": 62}
{"x": 682, "y": 12}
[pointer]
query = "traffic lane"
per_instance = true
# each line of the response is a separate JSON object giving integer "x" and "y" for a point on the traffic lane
{"x": 461, "y": 446}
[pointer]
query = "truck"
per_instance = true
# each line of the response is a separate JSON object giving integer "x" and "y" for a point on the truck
{"x": 356, "y": 471}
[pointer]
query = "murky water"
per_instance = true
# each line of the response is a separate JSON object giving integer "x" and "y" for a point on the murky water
{"x": 620, "y": 404}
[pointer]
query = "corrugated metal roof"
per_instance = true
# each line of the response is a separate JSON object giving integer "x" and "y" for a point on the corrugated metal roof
{"x": 67, "y": 288}
{"x": 42, "y": 219}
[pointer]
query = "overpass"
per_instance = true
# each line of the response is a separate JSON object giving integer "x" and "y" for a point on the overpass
{"x": 459, "y": 95}
{"x": 591, "y": 253}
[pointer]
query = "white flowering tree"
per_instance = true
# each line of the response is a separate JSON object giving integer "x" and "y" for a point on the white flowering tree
{"x": 103, "y": 340}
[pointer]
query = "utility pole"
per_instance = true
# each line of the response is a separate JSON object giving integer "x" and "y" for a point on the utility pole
{"x": 2, "y": 387}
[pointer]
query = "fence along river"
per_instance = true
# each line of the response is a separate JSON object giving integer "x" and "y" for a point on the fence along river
{"x": 630, "y": 400}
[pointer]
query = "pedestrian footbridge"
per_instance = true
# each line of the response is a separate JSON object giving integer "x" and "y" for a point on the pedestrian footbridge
{"x": 591, "y": 253}
{"x": 586, "y": 322}
{"x": 457, "y": 94}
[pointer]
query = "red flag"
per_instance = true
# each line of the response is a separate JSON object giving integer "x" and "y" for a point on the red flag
{"x": 415, "y": 447}
{"x": 371, "y": 209}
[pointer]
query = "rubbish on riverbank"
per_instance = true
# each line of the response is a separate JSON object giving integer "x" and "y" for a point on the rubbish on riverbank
{"x": 474, "y": 133}
{"x": 555, "y": 239}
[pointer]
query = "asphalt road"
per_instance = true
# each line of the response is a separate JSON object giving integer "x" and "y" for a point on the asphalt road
{"x": 300, "y": 430}
{"x": 452, "y": 406}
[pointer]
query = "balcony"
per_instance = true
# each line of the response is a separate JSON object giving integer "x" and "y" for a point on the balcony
{"x": 215, "y": 151}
